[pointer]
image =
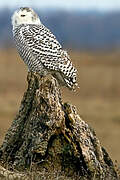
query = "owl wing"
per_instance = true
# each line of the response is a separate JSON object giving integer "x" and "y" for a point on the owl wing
{"x": 43, "y": 45}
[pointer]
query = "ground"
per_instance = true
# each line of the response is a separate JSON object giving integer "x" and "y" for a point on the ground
{"x": 97, "y": 99}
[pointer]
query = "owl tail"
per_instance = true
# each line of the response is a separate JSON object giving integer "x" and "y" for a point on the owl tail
{"x": 71, "y": 82}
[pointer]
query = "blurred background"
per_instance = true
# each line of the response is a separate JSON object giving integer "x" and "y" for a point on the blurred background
{"x": 90, "y": 31}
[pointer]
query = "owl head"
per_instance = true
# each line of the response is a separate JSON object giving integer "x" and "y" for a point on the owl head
{"x": 25, "y": 15}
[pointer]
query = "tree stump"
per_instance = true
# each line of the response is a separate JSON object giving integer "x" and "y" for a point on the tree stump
{"x": 49, "y": 137}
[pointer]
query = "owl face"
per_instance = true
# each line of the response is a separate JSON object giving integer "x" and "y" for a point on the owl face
{"x": 25, "y": 16}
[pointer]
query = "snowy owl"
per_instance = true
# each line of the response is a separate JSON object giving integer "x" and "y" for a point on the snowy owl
{"x": 39, "y": 48}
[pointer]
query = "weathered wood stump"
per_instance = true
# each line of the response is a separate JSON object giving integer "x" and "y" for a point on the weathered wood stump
{"x": 48, "y": 136}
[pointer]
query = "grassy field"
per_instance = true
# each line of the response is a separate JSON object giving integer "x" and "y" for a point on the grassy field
{"x": 97, "y": 100}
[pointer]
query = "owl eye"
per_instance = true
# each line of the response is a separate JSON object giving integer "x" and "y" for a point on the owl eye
{"x": 22, "y": 15}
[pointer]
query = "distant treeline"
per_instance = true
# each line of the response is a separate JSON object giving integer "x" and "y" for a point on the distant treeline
{"x": 79, "y": 30}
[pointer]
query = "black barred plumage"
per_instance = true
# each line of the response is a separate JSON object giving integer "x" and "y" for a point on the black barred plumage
{"x": 39, "y": 48}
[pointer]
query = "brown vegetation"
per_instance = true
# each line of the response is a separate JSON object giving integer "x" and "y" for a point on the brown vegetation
{"x": 97, "y": 100}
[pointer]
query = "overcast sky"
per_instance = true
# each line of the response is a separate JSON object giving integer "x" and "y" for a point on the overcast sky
{"x": 67, "y": 4}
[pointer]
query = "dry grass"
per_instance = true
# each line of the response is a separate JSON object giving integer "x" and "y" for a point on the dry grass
{"x": 97, "y": 100}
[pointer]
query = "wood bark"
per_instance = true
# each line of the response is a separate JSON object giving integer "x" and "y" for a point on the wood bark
{"x": 49, "y": 138}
